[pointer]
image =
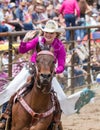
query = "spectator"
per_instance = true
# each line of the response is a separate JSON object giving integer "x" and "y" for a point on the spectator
{"x": 29, "y": 3}
{"x": 79, "y": 72}
{"x": 3, "y": 28}
{"x": 20, "y": 16}
{"x": 90, "y": 20}
{"x": 7, "y": 15}
{"x": 95, "y": 20}
{"x": 95, "y": 59}
{"x": 5, "y": 3}
{"x": 12, "y": 19}
{"x": 94, "y": 8}
{"x": 28, "y": 14}
{"x": 98, "y": 5}
{"x": 5, "y": 61}
{"x": 50, "y": 11}
{"x": 40, "y": 15}
{"x": 83, "y": 5}
{"x": 79, "y": 76}
{"x": 70, "y": 10}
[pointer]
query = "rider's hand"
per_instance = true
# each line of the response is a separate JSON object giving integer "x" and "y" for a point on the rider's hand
{"x": 29, "y": 35}
{"x": 58, "y": 70}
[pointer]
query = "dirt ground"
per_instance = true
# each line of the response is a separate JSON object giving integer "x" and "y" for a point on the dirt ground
{"x": 88, "y": 119}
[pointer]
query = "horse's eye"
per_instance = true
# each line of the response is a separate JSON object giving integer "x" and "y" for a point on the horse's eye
{"x": 53, "y": 62}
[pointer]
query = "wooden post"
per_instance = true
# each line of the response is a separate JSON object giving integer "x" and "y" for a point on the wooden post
{"x": 72, "y": 62}
{"x": 88, "y": 66}
{"x": 10, "y": 58}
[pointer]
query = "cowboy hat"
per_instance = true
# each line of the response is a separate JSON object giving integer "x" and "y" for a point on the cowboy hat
{"x": 12, "y": 5}
{"x": 51, "y": 26}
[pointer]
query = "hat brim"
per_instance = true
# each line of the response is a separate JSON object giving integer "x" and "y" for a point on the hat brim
{"x": 59, "y": 30}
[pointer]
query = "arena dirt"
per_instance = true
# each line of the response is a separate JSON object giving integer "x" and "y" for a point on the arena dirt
{"x": 88, "y": 119}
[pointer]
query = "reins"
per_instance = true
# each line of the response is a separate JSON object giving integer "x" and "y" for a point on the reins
{"x": 32, "y": 112}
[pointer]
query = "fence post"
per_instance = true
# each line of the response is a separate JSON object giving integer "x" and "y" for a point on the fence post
{"x": 10, "y": 58}
{"x": 88, "y": 66}
{"x": 72, "y": 62}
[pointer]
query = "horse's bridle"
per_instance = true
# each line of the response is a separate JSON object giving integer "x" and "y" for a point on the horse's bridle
{"x": 34, "y": 114}
{"x": 51, "y": 76}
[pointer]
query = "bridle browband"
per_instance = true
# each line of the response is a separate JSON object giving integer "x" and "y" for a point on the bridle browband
{"x": 45, "y": 52}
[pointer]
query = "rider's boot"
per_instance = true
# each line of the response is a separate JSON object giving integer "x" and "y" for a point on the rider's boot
{"x": 7, "y": 113}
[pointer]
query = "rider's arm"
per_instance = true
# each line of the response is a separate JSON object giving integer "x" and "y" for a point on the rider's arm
{"x": 61, "y": 56}
{"x": 26, "y": 46}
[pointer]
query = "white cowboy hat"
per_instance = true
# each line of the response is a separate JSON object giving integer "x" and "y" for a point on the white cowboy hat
{"x": 51, "y": 26}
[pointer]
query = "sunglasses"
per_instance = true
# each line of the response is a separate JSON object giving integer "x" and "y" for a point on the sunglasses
{"x": 23, "y": 6}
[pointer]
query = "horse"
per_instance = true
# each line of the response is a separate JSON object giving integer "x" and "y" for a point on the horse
{"x": 39, "y": 109}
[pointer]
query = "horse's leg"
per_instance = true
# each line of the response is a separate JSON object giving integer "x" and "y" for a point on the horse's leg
{"x": 43, "y": 124}
{"x": 60, "y": 127}
{"x": 39, "y": 127}
{"x": 55, "y": 126}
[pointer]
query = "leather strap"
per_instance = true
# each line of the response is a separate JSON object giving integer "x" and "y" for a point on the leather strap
{"x": 34, "y": 114}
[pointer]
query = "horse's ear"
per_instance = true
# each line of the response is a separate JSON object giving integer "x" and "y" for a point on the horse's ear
{"x": 52, "y": 50}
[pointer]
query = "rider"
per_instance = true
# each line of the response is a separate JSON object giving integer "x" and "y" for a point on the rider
{"x": 48, "y": 40}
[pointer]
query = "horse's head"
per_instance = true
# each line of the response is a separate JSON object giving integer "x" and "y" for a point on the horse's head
{"x": 45, "y": 64}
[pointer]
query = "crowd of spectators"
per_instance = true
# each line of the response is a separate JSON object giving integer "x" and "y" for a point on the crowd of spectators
{"x": 18, "y": 15}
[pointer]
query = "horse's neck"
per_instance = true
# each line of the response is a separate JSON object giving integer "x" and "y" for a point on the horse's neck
{"x": 38, "y": 96}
